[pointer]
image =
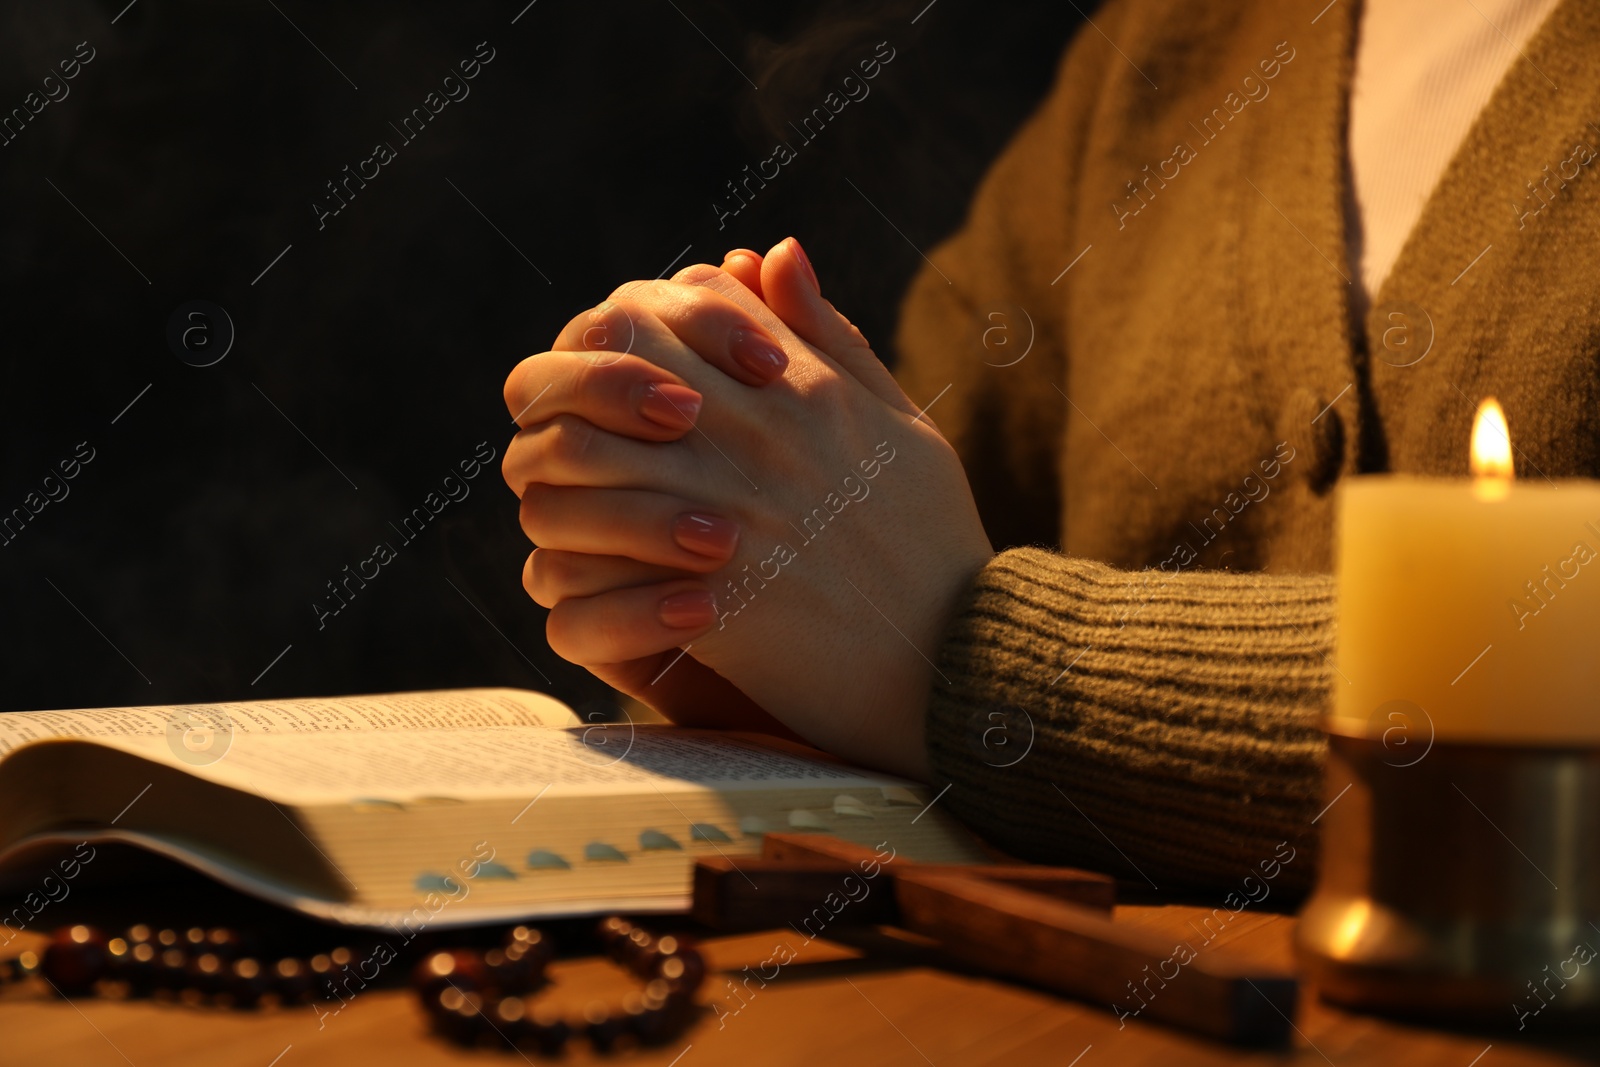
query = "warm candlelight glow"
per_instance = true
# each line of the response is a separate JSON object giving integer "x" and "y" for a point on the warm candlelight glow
{"x": 1355, "y": 923}
{"x": 1470, "y": 604}
{"x": 1491, "y": 451}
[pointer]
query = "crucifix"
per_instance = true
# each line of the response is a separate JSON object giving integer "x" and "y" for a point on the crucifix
{"x": 1050, "y": 927}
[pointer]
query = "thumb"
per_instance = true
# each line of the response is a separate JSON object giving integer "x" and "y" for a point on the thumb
{"x": 789, "y": 286}
{"x": 744, "y": 265}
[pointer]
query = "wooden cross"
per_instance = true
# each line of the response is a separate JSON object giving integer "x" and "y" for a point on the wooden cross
{"x": 1048, "y": 926}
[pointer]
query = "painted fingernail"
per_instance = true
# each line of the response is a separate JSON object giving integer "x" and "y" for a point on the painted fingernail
{"x": 756, "y": 354}
{"x": 693, "y": 610}
{"x": 706, "y": 535}
{"x": 805, "y": 261}
{"x": 670, "y": 405}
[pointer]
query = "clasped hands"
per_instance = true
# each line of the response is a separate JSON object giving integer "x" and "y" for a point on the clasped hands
{"x": 740, "y": 518}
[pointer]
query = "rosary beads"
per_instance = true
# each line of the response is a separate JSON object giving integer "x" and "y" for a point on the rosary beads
{"x": 196, "y": 966}
{"x": 472, "y": 996}
{"x": 477, "y": 998}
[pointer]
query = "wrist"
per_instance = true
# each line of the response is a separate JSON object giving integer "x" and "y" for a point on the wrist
{"x": 898, "y": 743}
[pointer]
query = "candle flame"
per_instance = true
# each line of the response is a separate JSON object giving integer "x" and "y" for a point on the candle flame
{"x": 1491, "y": 450}
{"x": 1491, "y": 442}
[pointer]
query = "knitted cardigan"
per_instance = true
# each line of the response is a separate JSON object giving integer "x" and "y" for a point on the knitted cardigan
{"x": 1155, "y": 386}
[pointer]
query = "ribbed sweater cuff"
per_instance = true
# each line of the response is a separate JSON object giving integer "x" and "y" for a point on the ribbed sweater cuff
{"x": 1160, "y": 727}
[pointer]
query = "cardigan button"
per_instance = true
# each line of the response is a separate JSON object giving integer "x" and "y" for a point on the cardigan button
{"x": 1312, "y": 424}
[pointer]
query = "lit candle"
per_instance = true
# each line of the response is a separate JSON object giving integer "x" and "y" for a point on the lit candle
{"x": 1476, "y": 604}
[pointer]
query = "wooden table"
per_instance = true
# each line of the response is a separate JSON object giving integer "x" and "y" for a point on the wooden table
{"x": 873, "y": 1000}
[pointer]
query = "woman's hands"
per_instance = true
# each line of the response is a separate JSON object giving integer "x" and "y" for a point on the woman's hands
{"x": 593, "y": 380}
{"x": 807, "y": 541}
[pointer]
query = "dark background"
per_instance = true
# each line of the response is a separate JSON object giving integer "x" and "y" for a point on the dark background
{"x": 190, "y": 550}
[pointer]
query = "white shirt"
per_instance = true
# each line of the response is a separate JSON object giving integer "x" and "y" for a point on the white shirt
{"x": 1424, "y": 69}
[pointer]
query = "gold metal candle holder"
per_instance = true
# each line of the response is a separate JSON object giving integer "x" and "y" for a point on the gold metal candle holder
{"x": 1462, "y": 887}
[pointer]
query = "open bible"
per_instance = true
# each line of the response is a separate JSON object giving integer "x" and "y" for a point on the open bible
{"x": 450, "y": 808}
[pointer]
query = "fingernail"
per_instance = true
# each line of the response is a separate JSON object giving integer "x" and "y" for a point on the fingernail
{"x": 669, "y": 405}
{"x": 805, "y": 261}
{"x": 693, "y": 610}
{"x": 756, "y": 354}
{"x": 706, "y": 535}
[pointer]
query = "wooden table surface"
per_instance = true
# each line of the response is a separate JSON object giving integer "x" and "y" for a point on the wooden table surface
{"x": 875, "y": 1000}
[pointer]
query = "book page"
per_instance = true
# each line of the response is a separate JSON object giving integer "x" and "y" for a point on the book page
{"x": 507, "y": 762}
{"x": 193, "y": 725}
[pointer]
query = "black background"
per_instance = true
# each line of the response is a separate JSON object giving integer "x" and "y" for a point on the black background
{"x": 190, "y": 550}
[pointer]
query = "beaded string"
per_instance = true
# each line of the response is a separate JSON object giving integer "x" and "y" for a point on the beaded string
{"x": 471, "y": 996}
{"x": 482, "y": 998}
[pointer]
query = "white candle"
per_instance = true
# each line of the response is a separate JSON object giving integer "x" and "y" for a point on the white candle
{"x": 1477, "y": 602}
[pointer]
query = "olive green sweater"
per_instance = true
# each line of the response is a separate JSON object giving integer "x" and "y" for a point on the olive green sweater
{"x": 1153, "y": 379}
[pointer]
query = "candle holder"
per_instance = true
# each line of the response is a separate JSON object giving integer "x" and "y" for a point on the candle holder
{"x": 1460, "y": 870}
{"x": 1461, "y": 884}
